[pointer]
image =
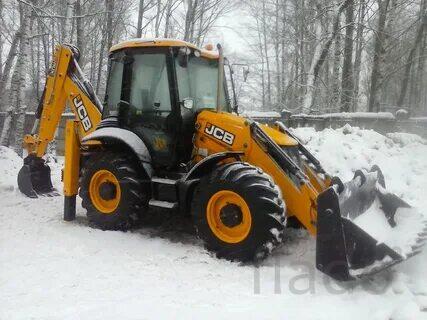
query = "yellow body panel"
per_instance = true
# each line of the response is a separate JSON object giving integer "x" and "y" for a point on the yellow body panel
{"x": 300, "y": 200}
{"x": 280, "y": 138}
{"x": 137, "y": 43}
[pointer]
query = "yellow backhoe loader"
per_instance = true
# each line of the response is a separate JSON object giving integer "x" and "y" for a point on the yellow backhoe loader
{"x": 168, "y": 137}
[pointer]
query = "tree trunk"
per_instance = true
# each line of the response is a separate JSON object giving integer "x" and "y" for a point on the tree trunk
{"x": 410, "y": 59}
{"x": 110, "y": 29}
{"x": 8, "y": 68}
{"x": 336, "y": 69}
{"x": 312, "y": 75}
{"x": 376, "y": 74}
{"x": 7, "y": 127}
{"x": 68, "y": 22}
{"x": 261, "y": 51}
{"x": 1, "y": 42}
{"x": 421, "y": 75}
{"x": 359, "y": 49}
{"x": 201, "y": 21}
{"x": 17, "y": 91}
{"x": 107, "y": 39}
{"x": 79, "y": 31}
{"x": 283, "y": 52}
{"x": 277, "y": 52}
{"x": 267, "y": 59}
{"x": 158, "y": 15}
{"x": 140, "y": 19}
{"x": 168, "y": 18}
{"x": 319, "y": 57}
{"x": 347, "y": 69}
{"x": 189, "y": 16}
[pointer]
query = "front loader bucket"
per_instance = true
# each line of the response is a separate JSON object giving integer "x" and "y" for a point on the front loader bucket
{"x": 34, "y": 178}
{"x": 365, "y": 229}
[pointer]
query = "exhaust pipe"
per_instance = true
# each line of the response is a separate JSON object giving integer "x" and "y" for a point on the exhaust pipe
{"x": 220, "y": 80}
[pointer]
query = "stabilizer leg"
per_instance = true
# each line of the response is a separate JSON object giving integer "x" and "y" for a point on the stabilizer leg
{"x": 71, "y": 169}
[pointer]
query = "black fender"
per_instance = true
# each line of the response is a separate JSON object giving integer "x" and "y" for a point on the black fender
{"x": 127, "y": 138}
{"x": 202, "y": 168}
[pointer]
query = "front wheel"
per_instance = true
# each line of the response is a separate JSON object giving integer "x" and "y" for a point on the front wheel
{"x": 238, "y": 212}
{"x": 113, "y": 191}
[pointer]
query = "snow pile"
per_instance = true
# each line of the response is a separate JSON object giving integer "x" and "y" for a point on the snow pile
{"x": 405, "y": 139}
{"x": 350, "y": 115}
{"x": 10, "y": 164}
{"x": 401, "y": 157}
{"x": 261, "y": 114}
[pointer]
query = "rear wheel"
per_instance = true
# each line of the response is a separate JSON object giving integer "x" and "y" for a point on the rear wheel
{"x": 112, "y": 191}
{"x": 238, "y": 212}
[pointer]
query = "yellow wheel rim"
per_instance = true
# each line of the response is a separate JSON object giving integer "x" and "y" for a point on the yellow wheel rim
{"x": 106, "y": 206}
{"x": 228, "y": 216}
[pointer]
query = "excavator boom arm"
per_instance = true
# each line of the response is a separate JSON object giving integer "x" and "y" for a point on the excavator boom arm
{"x": 65, "y": 82}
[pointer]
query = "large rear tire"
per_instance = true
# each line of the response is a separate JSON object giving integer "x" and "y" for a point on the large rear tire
{"x": 239, "y": 213}
{"x": 113, "y": 191}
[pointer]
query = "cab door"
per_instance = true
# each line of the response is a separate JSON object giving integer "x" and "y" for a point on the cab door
{"x": 150, "y": 102}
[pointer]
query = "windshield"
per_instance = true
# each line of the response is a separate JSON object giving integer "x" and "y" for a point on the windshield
{"x": 149, "y": 85}
{"x": 198, "y": 81}
{"x": 145, "y": 84}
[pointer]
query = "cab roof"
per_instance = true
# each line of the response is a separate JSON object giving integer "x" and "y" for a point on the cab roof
{"x": 160, "y": 42}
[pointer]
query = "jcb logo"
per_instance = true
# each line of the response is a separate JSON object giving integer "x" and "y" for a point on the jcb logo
{"x": 82, "y": 113}
{"x": 219, "y": 134}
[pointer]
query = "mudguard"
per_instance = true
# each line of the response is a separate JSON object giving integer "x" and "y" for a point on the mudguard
{"x": 127, "y": 138}
{"x": 205, "y": 166}
{"x": 192, "y": 178}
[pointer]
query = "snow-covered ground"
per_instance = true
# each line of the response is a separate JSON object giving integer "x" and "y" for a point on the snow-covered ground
{"x": 51, "y": 269}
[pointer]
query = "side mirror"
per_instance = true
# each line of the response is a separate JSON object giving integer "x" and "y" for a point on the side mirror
{"x": 188, "y": 103}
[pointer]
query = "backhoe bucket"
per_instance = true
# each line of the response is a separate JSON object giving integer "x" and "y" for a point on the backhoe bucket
{"x": 34, "y": 178}
{"x": 364, "y": 229}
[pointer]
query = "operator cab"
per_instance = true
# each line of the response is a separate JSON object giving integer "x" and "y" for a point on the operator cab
{"x": 156, "y": 88}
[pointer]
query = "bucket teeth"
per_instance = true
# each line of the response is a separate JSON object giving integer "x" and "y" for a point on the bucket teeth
{"x": 423, "y": 234}
{"x": 418, "y": 246}
{"x": 414, "y": 253}
{"x": 421, "y": 239}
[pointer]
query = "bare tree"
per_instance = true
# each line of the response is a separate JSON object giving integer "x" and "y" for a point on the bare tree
{"x": 358, "y": 53}
{"x": 410, "y": 59}
{"x": 319, "y": 57}
{"x": 347, "y": 69}
{"x": 18, "y": 83}
{"x": 378, "y": 55}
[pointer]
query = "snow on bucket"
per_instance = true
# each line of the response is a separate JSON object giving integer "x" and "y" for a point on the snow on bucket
{"x": 365, "y": 229}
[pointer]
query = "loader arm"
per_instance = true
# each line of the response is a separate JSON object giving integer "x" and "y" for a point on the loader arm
{"x": 65, "y": 82}
{"x": 346, "y": 247}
